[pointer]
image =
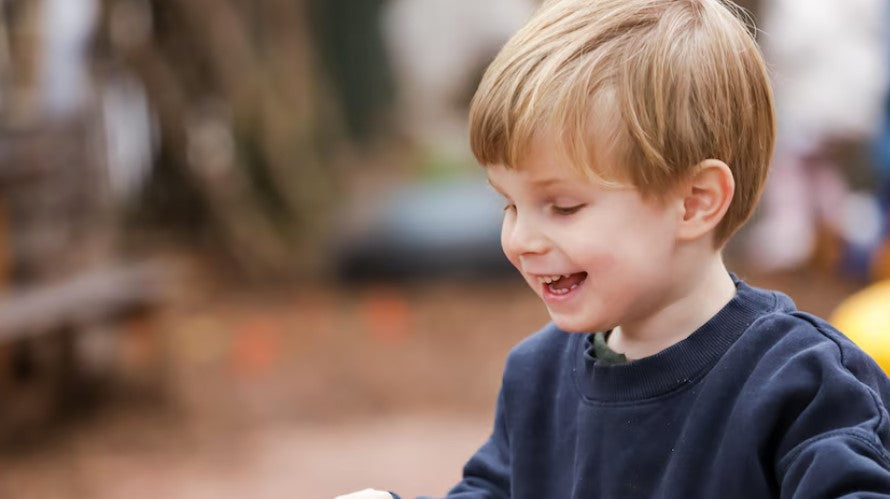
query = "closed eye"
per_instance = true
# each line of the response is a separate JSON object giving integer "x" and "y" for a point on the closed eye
{"x": 566, "y": 210}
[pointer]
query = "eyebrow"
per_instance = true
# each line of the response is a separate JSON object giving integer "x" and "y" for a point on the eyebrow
{"x": 546, "y": 182}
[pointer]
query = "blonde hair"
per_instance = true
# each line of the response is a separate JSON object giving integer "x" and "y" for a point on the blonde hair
{"x": 658, "y": 85}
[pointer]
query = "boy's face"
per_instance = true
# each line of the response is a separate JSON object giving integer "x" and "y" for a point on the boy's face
{"x": 611, "y": 249}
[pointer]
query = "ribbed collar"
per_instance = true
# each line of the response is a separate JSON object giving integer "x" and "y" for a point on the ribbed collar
{"x": 678, "y": 365}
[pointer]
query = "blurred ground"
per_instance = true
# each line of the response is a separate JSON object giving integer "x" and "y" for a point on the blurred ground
{"x": 304, "y": 392}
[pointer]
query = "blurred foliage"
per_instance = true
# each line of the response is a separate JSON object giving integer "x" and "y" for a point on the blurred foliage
{"x": 247, "y": 118}
{"x": 353, "y": 51}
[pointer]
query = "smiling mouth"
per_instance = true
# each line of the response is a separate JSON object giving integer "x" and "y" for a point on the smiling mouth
{"x": 562, "y": 284}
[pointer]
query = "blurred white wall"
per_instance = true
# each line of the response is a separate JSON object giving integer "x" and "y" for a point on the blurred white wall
{"x": 64, "y": 81}
{"x": 438, "y": 48}
{"x": 828, "y": 60}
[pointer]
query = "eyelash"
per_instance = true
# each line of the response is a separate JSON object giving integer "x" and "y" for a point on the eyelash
{"x": 566, "y": 210}
{"x": 557, "y": 210}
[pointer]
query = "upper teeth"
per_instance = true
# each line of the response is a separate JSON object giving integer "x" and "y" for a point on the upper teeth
{"x": 551, "y": 278}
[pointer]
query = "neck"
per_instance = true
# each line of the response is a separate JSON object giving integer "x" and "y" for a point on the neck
{"x": 681, "y": 313}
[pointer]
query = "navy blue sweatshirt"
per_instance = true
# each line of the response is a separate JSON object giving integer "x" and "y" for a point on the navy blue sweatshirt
{"x": 761, "y": 401}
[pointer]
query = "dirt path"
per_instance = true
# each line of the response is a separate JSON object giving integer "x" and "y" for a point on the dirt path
{"x": 414, "y": 454}
{"x": 305, "y": 393}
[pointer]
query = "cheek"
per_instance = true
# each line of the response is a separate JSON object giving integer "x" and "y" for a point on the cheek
{"x": 598, "y": 254}
{"x": 642, "y": 236}
{"x": 616, "y": 258}
{"x": 605, "y": 268}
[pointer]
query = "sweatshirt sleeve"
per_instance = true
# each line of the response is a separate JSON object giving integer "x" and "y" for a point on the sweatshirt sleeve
{"x": 487, "y": 473}
{"x": 844, "y": 463}
{"x": 836, "y": 432}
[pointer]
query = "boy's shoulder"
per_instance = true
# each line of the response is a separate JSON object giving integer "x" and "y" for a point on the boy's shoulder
{"x": 787, "y": 326}
{"x": 797, "y": 365}
{"x": 795, "y": 353}
{"x": 796, "y": 338}
{"x": 776, "y": 314}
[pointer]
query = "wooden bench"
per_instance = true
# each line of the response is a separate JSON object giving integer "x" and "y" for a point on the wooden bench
{"x": 44, "y": 373}
{"x": 91, "y": 297}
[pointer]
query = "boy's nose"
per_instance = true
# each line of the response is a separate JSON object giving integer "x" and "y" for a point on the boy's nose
{"x": 521, "y": 236}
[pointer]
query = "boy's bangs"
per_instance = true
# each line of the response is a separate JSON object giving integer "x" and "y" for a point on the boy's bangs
{"x": 503, "y": 120}
{"x": 593, "y": 136}
{"x": 585, "y": 130}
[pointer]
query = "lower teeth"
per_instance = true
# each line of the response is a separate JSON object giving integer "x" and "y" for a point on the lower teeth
{"x": 562, "y": 291}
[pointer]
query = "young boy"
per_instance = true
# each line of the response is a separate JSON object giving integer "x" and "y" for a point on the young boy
{"x": 630, "y": 140}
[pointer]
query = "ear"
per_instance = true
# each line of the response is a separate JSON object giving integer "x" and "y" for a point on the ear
{"x": 706, "y": 196}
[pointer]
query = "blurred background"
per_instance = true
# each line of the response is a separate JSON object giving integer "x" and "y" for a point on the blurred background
{"x": 245, "y": 250}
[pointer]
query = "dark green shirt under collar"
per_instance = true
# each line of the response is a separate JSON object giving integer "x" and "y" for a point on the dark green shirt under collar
{"x": 605, "y": 355}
